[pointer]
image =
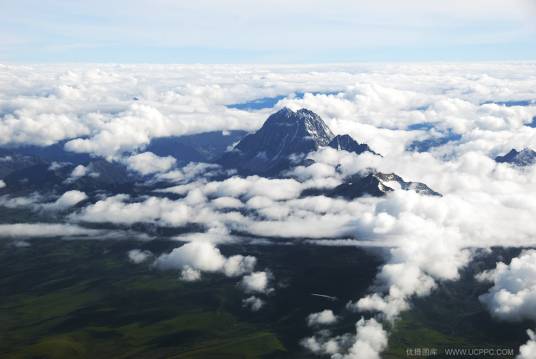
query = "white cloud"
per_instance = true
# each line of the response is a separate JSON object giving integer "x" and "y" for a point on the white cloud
{"x": 46, "y": 230}
{"x": 238, "y": 265}
{"x": 198, "y": 255}
{"x": 148, "y": 163}
{"x": 321, "y": 318}
{"x": 2, "y": 184}
{"x": 276, "y": 189}
{"x": 15, "y": 202}
{"x": 323, "y": 345}
{"x": 38, "y": 202}
{"x": 178, "y": 99}
{"x": 116, "y": 210}
{"x": 188, "y": 274}
{"x": 78, "y": 172}
{"x": 227, "y": 202}
{"x": 256, "y": 282}
{"x": 138, "y": 256}
{"x": 27, "y": 127}
{"x": 370, "y": 340}
{"x": 133, "y": 128}
{"x": 528, "y": 350}
{"x": 66, "y": 200}
{"x": 513, "y": 295}
{"x": 202, "y": 256}
{"x": 253, "y": 303}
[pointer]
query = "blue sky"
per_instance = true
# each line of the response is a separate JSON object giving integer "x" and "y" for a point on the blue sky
{"x": 258, "y": 31}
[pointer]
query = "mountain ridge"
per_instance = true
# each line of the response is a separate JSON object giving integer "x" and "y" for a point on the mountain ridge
{"x": 525, "y": 157}
{"x": 284, "y": 136}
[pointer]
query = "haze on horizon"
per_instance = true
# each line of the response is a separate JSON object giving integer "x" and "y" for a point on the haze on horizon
{"x": 241, "y": 31}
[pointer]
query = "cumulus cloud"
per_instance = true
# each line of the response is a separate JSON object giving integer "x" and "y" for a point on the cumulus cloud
{"x": 133, "y": 128}
{"x": 78, "y": 171}
{"x": 66, "y": 200}
{"x": 368, "y": 342}
{"x": 275, "y": 189}
{"x": 193, "y": 208}
{"x": 202, "y": 256}
{"x": 188, "y": 274}
{"x": 2, "y": 184}
{"x": 528, "y": 350}
{"x": 322, "y": 345}
{"x": 238, "y": 265}
{"x": 256, "y": 282}
{"x": 24, "y": 126}
{"x": 138, "y": 256}
{"x": 429, "y": 237}
{"x": 23, "y": 201}
{"x": 513, "y": 295}
{"x": 39, "y": 202}
{"x": 148, "y": 163}
{"x": 253, "y": 303}
{"x": 227, "y": 202}
{"x": 324, "y": 317}
{"x": 117, "y": 209}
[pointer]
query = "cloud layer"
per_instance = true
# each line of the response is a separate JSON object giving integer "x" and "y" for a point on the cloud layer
{"x": 464, "y": 110}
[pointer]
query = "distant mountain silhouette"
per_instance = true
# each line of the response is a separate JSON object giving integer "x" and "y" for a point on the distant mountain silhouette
{"x": 45, "y": 177}
{"x": 11, "y": 161}
{"x": 347, "y": 143}
{"x": 54, "y": 153}
{"x": 202, "y": 147}
{"x": 525, "y": 157}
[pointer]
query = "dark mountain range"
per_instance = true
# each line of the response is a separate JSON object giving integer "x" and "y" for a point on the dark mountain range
{"x": 11, "y": 161}
{"x": 28, "y": 168}
{"x": 54, "y": 153}
{"x": 418, "y": 187}
{"x": 371, "y": 183}
{"x": 525, "y": 157}
{"x": 203, "y": 147}
{"x": 42, "y": 176}
{"x": 359, "y": 185}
